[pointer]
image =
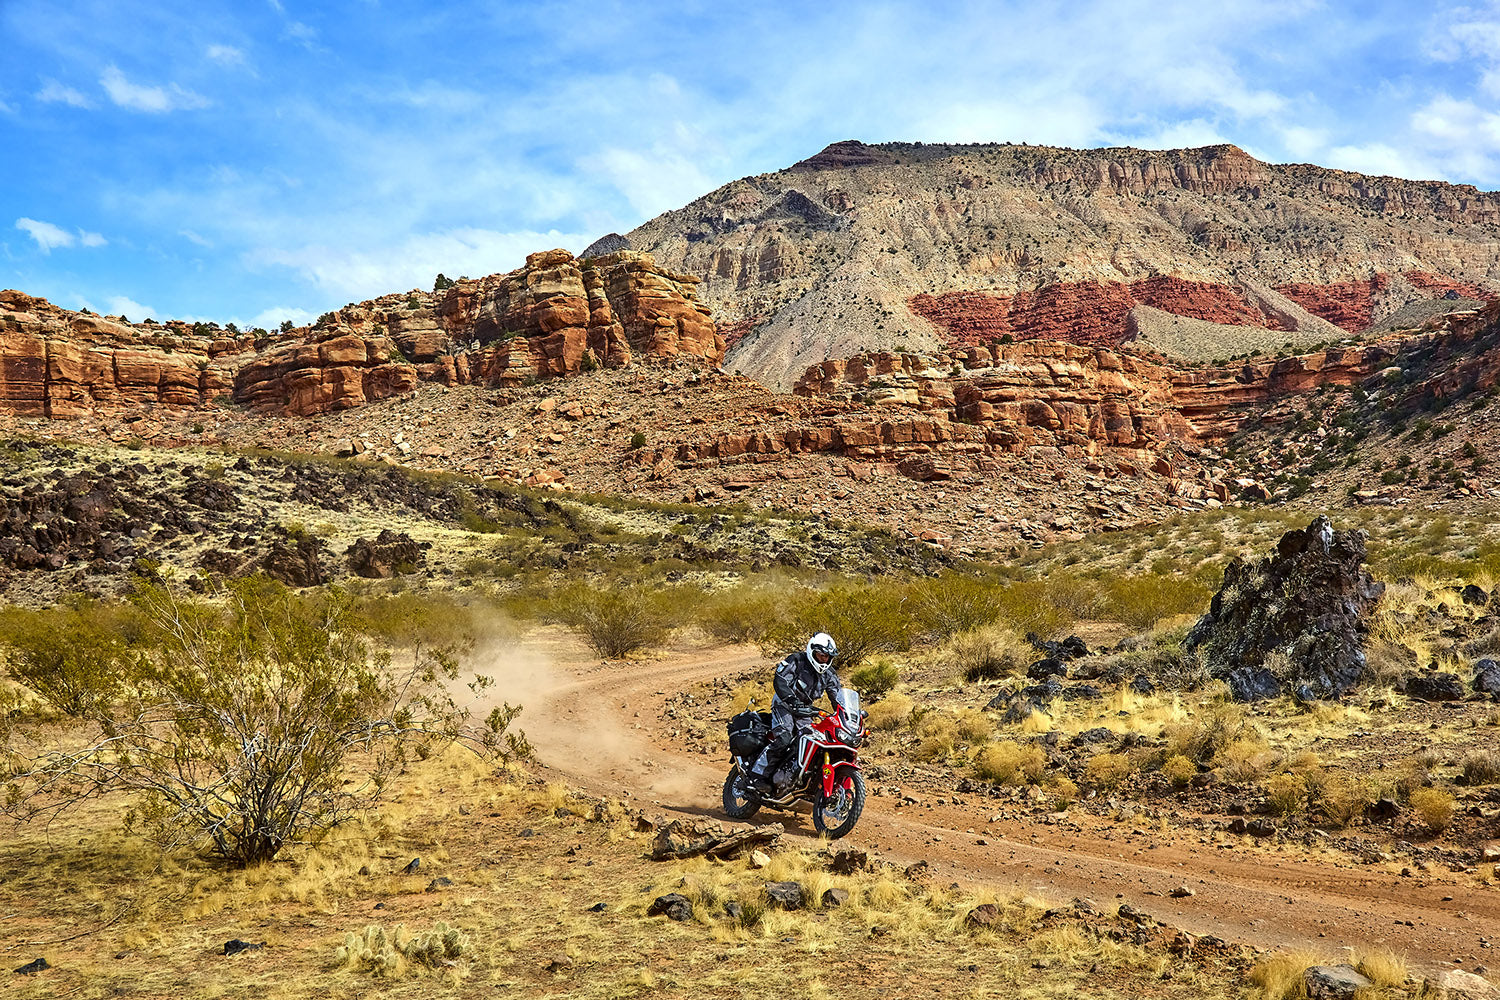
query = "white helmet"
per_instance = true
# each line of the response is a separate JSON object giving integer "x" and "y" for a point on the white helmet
{"x": 821, "y": 649}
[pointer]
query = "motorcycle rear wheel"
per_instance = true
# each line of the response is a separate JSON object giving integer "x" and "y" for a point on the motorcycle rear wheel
{"x": 738, "y": 803}
{"x": 836, "y": 815}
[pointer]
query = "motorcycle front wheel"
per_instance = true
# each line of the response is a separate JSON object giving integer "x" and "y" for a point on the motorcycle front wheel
{"x": 739, "y": 803}
{"x": 836, "y": 814}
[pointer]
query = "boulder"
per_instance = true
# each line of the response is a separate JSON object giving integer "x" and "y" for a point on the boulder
{"x": 1296, "y": 618}
{"x": 1455, "y": 984}
{"x": 390, "y": 554}
{"x": 1435, "y": 687}
{"x": 785, "y": 895}
{"x": 1334, "y": 982}
{"x": 296, "y": 565}
{"x": 1487, "y": 678}
{"x": 674, "y": 906}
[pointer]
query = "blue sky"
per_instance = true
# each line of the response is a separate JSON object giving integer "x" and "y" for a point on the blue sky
{"x": 264, "y": 159}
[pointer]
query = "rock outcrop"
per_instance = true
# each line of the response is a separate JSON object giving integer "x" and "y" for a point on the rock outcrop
{"x": 554, "y": 317}
{"x": 1294, "y": 622}
{"x": 58, "y": 363}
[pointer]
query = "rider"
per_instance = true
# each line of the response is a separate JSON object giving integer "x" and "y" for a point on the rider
{"x": 799, "y": 680}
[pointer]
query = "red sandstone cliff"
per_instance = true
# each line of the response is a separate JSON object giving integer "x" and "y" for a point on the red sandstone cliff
{"x": 555, "y": 316}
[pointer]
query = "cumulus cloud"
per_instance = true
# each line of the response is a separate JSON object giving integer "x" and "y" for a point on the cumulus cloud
{"x": 124, "y": 305}
{"x": 49, "y": 237}
{"x": 153, "y": 100}
{"x": 53, "y": 92}
{"x": 353, "y": 274}
{"x": 270, "y": 319}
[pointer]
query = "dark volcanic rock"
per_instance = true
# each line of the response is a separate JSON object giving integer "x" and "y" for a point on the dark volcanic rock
{"x": 1435, "y": 687}
{"x": 390, "y": 554}
{"x": 674, "y": 905}
{"x": 1294, "y": 619}
{"x": 299, "y": 566}
{"x": 1487, "y": 678}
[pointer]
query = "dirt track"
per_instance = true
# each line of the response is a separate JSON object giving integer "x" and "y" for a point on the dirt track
{"x": 598, "y": 727}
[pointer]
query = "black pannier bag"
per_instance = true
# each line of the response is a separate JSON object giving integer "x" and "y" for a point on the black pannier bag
{"x": 748, "y": 733}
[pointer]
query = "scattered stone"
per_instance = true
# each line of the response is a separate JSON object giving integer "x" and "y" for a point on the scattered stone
{"x": 1141, "y": 685}
{"x": 1455, "y": 984}
{"x": 1262, "y": 827}
{"x": 848, "y": 861}
{"x": 759, "y": 859}
{"x": 441, "y": 882}
{"x": 1334, "y": 982}
{"x": 34, "y": 966}
{"x": 559, "y": 963}
{"x": 598, "y": 908}
{"x": 390, "y": 554}
{"x": 1181, "y": 892}
{"x": 236, "y": 946}
{"x": 1487, "y": 678}
{"x": 785, "y": 895}
{"x": 678, "y": 839}
{"x": 415, "y": 863}
{"x": 1472, "y": 594}
{"x": 983, "y": 915}
{"x": 674, "y": 905}
{"x": 834, "y": 897}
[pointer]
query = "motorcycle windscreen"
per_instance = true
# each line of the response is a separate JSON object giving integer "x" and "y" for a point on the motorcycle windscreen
{"x": 849, "y": 709}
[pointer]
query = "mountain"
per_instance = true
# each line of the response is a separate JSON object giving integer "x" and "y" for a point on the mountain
{"x": 1200, "y": 253}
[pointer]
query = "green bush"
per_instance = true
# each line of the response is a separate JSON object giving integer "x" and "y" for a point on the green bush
{"x": 1141, "y": 601}
{"x": 616, "y": 623}
{"x": 875, "y": 678}
{"x": 989, "y": 654}
{"x": 739, "y": 614}
{"x": 72, "y": 656}
{"x": 863, "y": 619}
{"x": 953, "y": 602}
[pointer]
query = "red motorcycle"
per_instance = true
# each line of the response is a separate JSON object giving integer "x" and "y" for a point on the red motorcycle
{"x": 823, "y": 771}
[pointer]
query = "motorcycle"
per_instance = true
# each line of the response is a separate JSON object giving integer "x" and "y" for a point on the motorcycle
{"x": 824, "y": 769}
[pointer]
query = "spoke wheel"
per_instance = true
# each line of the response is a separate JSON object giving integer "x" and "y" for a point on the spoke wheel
{"x": 836, "y": 815}
{"x": 738, "y": 802}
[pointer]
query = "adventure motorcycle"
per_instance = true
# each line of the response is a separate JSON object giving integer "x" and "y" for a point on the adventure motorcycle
{"x": 823, "y": 769}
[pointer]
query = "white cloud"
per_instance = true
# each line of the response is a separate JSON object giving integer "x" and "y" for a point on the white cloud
{"x": 7, "y": 109}
{"x": 153, "y": 100}
{"x": 270, "y": 319}
{"x": 652, "y": 182}
{"x": 1379, "y": 159}
{"x": 47, "y": 235}
{"x": 123, "y": 305}
{"x": 226, "y": 55}
{"x": 352, "y": 275}
{"x": 53, "y": 92}
{"x": 193, "y": 237}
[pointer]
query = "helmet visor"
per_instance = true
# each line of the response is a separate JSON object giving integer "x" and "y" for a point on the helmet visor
{"x": 822, "y": 655}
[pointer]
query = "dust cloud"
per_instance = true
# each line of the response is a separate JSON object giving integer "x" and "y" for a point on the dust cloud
{"x": 576, "y": 715}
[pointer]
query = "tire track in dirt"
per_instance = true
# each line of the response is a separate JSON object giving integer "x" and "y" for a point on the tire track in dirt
{"x": 598, "y": 727}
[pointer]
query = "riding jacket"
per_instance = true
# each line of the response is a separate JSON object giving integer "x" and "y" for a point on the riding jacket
{"x": 797, "y": 684}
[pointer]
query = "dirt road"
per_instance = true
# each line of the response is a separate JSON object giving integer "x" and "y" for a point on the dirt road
{"x": 599, "y": 727}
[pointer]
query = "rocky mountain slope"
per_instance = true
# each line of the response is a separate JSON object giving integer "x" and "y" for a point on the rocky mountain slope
{"x": 864, "y": 248}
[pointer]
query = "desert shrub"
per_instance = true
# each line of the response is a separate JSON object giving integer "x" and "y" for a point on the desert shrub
{"x": 891, "y": 712}
{"x": 989, "y": 653}
{"x": 952, "y": 602}
{"x": 1280, "y": 975}
{"x": 1481, "y": 767}
{"x": 1434, "y": 807}
{"x": 1010, "y": 763}
{"x": 385, "y": 955}
{"x": 73, "y": 656}
{"x": 863, "y": 619}
{"x": 1032, "y": 606}
{"x": 1342, "y": 799}
{"x": 616, "y": 623}
{"x": 937, "y": 735}
{"x": 974, "y": 726}
{"x": 739, "y": 614}
{"x": 1064, "y": 791}
{"x": 1179, "y": 770}
{"x": 1108, "y": 771}
{"x": 1141, "y": 601}
{"x": 1286, "y": 794}
{"x": 1384, "y": 968}
{"x": 1205, "y": 736}
{"x": 257, "y": 720}
{"x": 875, "y": 678}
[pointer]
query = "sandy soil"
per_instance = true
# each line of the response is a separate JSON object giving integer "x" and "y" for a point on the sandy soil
{"x": 598, "y": 726}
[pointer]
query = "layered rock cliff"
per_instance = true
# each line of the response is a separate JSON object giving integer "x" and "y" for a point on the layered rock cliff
{"x": 864, "y": 248}
{"x": 556, "y": 316}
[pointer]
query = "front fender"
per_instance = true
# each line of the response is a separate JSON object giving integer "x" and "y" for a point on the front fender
{"x": 838, "y": 772}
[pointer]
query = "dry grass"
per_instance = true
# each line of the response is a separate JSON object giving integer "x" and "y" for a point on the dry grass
{"x": 1434, "y": 807}
{"x": 1010, "y": 763}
